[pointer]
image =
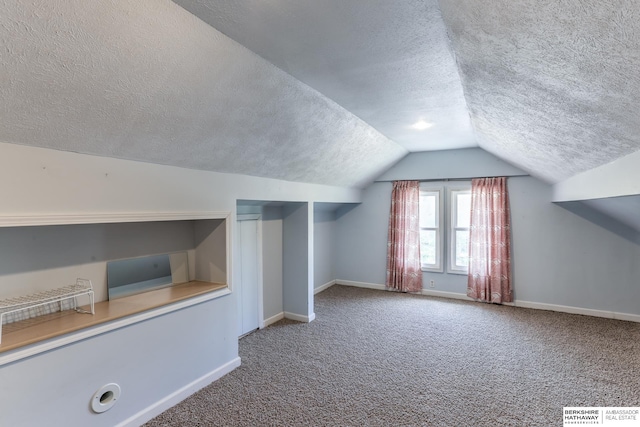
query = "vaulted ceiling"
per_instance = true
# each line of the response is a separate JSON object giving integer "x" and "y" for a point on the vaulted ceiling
{"x": 323, "y": 91}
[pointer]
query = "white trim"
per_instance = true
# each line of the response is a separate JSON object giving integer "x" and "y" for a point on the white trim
{"x": 324, "y": 287}
{"x": 518, "y": 303}
{"x": 452, "y": 204}
{"x": 273, "y": 319}
{"x": 258, "y": 219}
{"x": 443, "y": 294}
{"x": 361, "y": 284}
{"x": 248, "y": 217}
{"x": 260, "y": 278}
{"x": 299, "y": 317}
{"x": 107, "y": 217}
{"x": 229, "y": 229}
{"x": 108, "y": 327}
{"x": 428, "y": 187}
{"x": 458, "y": 272}
{"x": 578, "y": 310}
{"x": 179, "y": 395}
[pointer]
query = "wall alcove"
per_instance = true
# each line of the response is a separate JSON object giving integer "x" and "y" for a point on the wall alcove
{"x": 46, "y": 252}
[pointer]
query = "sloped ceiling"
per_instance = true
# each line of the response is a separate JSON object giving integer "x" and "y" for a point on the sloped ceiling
{"x": 387, "y": 62}
{"x": 552, "y": 86}
{"x": 549, "y": 86}
{"x": 146, "y": 80}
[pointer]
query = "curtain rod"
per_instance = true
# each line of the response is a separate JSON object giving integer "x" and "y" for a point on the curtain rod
{"x": 450, "y": 179}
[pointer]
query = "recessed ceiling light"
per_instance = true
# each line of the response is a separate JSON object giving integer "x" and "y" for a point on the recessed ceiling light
{"x": 421, "y": 125}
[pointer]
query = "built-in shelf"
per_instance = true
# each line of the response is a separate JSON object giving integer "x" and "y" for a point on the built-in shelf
{"x": 31, "y": 257}
{"x": 43, "y": 328}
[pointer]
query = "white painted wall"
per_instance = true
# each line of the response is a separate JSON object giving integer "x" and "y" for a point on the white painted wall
{"x": 618, "y": 178}
{"x": 40, "y": 181}
{"x": 558, "y": 257}
{"x": 162, "y": 356}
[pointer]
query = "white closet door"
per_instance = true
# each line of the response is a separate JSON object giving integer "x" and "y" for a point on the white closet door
{"x": 248, "y": 292}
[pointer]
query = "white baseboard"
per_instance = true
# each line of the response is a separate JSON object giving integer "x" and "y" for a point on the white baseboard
{"x": 179, "y": 395}
{"x": 361, "y": 284}
{"x": 273, "y": 319}
{"x": 517, "y": 303}
{"x": 323, "y": 287}
{"x": 288, "y": 315}
{"x": 299, "y": 317}
{"x": 578, "y": 310}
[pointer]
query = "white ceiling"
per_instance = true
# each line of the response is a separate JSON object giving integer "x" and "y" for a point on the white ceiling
{"x": 387, "y": 62}
{"x": 146, "y": 80}
{"x": 551, "y": 86}
{"x": 323, "y": 91}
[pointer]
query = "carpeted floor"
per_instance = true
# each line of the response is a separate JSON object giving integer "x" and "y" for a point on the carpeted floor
{"x": 374, "y": 358}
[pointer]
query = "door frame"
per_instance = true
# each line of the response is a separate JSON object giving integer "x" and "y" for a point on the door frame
{"x": 258, "y": 219}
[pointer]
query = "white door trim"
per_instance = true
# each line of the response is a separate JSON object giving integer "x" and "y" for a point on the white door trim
{"x": 258, "y": 218}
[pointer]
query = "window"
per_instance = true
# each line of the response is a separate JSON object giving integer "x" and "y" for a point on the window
{"x": 459, "y": 230}
{"x": 430, "y": 228}
{"x": 436, "y": 228}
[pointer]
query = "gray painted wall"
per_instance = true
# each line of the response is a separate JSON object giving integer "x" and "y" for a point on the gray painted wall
{"x": 296, "y": 252}
{"x": 174, "y": 354}
{"x": 361, "y": 236}
{"x": 558, "y": 257}
{"x": 561, "y": 258}
{"x": 146, "y": 359}
{"x": 286, "y": 250}
{"x": 211, "y": 255}
{"x": 40, "y": 258}
{"x": 323, "y": 247}
{"x": 272, "y": 261}
{"x": 449, "y": 164}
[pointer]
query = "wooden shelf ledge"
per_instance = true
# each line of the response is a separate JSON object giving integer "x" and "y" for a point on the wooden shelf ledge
{"x": 43, "y": 328}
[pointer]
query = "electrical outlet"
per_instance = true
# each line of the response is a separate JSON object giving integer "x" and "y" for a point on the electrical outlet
{"x": 432, "y": 283}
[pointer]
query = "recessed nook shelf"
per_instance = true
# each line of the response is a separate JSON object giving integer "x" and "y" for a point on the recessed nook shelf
{"x": 30, "y": 258}
{"x": 42, "y": 328}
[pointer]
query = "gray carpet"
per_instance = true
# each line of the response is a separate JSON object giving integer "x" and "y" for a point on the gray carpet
{"x": 374, "y": 358}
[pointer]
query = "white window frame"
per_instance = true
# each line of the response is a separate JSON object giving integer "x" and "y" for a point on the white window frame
{"x": 439, "y": 229}
{"x": 452, "y": 202}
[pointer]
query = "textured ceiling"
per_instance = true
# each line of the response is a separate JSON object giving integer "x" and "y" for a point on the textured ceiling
{"x": 146, "y": 80}
{"x": 388, "y": 62}
{"x": 549, "y": 86}
{"x": 552, "y": 86}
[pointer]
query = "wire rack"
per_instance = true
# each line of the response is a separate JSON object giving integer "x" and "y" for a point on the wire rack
{"x": 46, "y": 302}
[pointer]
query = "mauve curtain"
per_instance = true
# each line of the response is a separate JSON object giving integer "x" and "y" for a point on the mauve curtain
{"x": 490, "y": 241}
{"x": 403, "y": 248}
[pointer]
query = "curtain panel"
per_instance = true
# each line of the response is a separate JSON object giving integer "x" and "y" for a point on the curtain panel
{"x": 404, "y": 272}
{"x": 490, "y": 241}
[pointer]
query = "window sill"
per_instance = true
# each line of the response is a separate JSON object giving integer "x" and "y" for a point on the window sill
{"x": 458, "y": 272}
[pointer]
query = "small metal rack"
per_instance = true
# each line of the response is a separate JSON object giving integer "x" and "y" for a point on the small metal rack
{"x": 41, "y": 303}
